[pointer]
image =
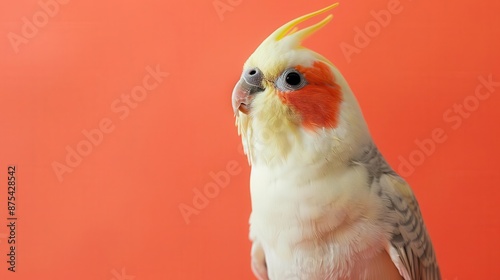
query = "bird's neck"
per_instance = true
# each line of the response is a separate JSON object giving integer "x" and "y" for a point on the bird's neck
{"x": 285, "y": 144}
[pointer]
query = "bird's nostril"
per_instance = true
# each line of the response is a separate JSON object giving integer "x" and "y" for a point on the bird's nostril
{"x": 253, "y": 77}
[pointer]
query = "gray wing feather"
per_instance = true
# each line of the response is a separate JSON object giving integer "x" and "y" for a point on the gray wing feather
{"x": 409, "y": 237}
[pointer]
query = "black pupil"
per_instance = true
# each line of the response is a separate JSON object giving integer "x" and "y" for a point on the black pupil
{"x": 293, "y": 79}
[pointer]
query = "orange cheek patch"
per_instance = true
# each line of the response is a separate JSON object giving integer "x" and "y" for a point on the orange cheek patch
{"x": 319, "y": 101}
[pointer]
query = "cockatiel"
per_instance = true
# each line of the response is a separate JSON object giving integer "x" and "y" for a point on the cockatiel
{"x": 325, "y": 204}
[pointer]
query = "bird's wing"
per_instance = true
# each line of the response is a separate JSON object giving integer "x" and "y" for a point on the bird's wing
{"x": 410, "y": 246}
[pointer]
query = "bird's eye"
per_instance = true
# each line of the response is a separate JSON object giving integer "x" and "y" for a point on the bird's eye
{"x": 290, "y": 80}
{"x": 293, "y": 79}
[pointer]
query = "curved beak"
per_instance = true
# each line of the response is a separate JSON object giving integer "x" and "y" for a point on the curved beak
{"x": 243, "y": 94}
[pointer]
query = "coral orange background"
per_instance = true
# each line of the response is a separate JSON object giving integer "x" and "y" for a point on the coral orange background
{"x": 116, "y": 214}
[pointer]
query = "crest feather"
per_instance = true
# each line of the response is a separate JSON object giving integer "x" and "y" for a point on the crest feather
{"x": 290, "y": 30}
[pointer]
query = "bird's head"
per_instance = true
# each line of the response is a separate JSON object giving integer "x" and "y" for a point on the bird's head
{"x": 288, "y": 92}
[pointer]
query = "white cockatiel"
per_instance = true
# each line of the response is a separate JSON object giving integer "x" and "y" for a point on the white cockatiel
{"x": 325, "y": 204}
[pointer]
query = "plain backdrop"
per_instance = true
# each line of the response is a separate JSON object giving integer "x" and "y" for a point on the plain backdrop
{"x": 114, "y": 211}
